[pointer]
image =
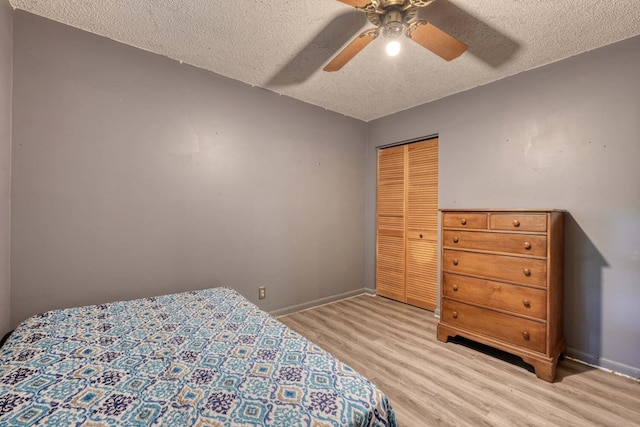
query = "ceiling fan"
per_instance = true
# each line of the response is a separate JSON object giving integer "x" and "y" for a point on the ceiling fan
{"x": 393, "y": 18}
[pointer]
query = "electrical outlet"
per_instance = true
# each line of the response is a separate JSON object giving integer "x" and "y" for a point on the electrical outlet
{"x": 262, "y": 292}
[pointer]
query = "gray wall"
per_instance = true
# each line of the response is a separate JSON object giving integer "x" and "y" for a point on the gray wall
{"x": 6, "y": 60}
{"x": 134, "y": 175}
{"x": 563, "y": 136}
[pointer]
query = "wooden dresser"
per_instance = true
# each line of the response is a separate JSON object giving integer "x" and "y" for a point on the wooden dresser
{"x": 502, "y": 282}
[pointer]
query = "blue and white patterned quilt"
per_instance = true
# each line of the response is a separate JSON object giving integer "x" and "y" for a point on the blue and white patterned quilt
{"x": 201, "y": 358}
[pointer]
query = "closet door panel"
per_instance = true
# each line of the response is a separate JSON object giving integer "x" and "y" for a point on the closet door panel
{"x": 422, "y": 267}
{"x": 390, "y": 269}
{"x": 391, "y": 182}
{"x": 422, "y": 224}
{"x": 422, "y": 188}
{"x": 390, "y": 251}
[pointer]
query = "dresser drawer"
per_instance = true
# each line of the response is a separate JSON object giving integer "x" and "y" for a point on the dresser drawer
{"x": 502, "y": 267}
{"x": 464, "y": 220}
{"x": 518, "y": 222}
{"x": 513, "y": 298}
{"x": 511, "y": 329}
{"x": 524, "y": 244}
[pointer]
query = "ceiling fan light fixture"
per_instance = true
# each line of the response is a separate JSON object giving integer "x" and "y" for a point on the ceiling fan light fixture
{"x": 392, "y": 30}
{"x": 393, "y": 48}
{"x": 392, "y": 25}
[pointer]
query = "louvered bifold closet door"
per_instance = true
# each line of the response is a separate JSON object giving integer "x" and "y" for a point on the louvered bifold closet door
{"x": 422, "y": 224}
{"x": 390, "y": 252}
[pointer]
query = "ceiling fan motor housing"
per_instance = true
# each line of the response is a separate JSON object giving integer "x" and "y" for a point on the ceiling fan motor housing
{"x": 393, "y": 16}
{"x": 385, "y": 4}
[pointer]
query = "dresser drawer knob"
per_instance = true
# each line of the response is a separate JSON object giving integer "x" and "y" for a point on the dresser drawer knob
{"x": 516, "y": 223}
{"x": 526, "y": 303}
{"x": 455, "y": 239}
{"x": 526, "y": 335}
{"x": 454, "y": 314}
{"x": 463, "y": 221}
{"x": 455, "y": 261}
{"x": 527, "y": 245}
{"x": 420, "y": 236}
{"x": 527, "y": 272}
{"x": 455, "y": 288}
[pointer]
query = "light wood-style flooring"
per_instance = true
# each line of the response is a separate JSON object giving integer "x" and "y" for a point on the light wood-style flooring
{"x": 431, "y": 383}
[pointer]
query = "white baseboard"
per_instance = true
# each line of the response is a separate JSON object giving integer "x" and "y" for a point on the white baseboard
{"x": 318, "y": 302}
{"x": 603, "y": 363}
{"x": 581, "y": 356}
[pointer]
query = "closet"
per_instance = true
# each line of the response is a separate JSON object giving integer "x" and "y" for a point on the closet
{"x": 407, "y": 223}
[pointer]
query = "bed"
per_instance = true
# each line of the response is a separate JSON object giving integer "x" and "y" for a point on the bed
{"x": 201, "y": 358}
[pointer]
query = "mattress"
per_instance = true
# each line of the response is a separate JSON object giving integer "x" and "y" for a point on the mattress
{"x": 205, "y": 358}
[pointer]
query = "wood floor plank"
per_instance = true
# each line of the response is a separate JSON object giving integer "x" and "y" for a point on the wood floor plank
{"x": 460, "y": 383}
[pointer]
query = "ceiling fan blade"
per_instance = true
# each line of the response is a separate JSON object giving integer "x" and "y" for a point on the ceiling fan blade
{"x": 437, "y": 41}
{"x": 356, "y": 3}
{"x": 351, "y": 50}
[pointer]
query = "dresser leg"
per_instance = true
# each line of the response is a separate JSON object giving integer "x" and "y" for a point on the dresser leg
{"x": 545, "y": 370}
{"x": 444, "y": 333}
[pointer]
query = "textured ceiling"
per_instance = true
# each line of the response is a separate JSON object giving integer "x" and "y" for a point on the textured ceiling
{"x": 282, "y": 45}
